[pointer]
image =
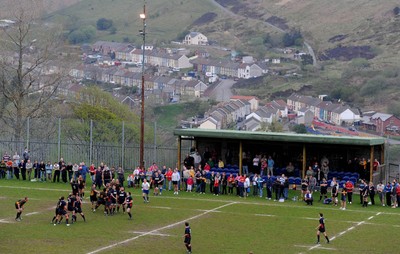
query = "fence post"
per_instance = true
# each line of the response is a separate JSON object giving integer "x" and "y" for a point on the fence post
{"x": 155, "y": 142}
{"x": 27, "y": 133}
{"x": 59, "y": 139}
{"x": 123, "y": 146}
{"x": 91, "y": 143}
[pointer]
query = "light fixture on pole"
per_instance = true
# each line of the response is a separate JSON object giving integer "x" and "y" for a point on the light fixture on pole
{"x": 143, "y": 33}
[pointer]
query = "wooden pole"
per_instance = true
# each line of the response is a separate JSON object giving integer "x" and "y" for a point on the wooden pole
{"x": 304, "y": 161}
{"x": 240, "y": 157}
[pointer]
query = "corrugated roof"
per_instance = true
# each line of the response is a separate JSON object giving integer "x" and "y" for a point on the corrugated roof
{"x": 280, "y": 137}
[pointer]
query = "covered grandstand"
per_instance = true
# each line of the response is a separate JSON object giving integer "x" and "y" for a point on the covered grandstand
{"x": 300, "y": 149}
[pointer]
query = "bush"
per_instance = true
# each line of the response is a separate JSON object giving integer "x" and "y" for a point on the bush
{"x": 84, "y": 34}
{"x": 300, "y": 128}
{"x": 104, "y": 24}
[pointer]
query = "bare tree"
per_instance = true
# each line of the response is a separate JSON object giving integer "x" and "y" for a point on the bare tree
{"x": 31, "y": 68}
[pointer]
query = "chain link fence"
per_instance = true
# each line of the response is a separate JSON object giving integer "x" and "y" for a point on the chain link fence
{"x": 114, "y": 143}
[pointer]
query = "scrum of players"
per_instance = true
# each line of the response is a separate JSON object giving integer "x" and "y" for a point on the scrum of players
{"x": 112, "y": 197}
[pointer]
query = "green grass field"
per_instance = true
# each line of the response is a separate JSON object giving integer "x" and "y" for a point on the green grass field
{"x": 223, "y": 224}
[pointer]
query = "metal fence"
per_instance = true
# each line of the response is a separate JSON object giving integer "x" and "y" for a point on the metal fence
{"x": 114, "y": 143}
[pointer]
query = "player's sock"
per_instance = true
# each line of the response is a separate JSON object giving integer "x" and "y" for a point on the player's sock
{"x": 66, "y": 221}
{"x": 327, "y": 239}
{"x": 130, "y": 215}
{"x": 190, "y": 248}
{"x": 123, "y": 209}
{"x": 318, "y": 238}
{"x": 52, "y": 221}
{"x": 83, "y": 216}
{"x": 117, "y": 208}
{"x": 144, "y": 198}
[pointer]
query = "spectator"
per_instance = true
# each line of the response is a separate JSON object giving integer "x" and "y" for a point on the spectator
{"x": 380, "y": 188}
{"x": 349, "y": 190}
{"x": 121, "y": 175}
{"x": 309, "y": 172}
{"x": 221, "y": 164}
{"x": 169, "y": 178}
{"x": 49, "y": 170}
{"x": 29, "y": 167}
{"x": 308, "y": 198}
{"x": 271, "y": 164}
{"x": 290, "y": 169}
{"x": 372, "y": 193}
{"x": 3, "y": 168}
{"x": 388, "y": 193}
{"x": 22, "y": 169}
{"x": 56, "y": 176}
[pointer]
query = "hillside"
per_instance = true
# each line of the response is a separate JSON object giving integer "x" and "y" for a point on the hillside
{"x": 340, "y": 33}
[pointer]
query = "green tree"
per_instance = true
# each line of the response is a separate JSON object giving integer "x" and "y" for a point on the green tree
{"x": 292, "y": 38}
{"x": 104, "y": 24}
{"x": 84, "y": 34}
{"x": 300, "y": 128}
{"x": 306, "y": 59}
{"x": 107, "y": 115}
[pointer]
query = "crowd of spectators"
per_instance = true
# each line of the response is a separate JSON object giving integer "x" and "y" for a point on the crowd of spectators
{"x": 197, "y": 174}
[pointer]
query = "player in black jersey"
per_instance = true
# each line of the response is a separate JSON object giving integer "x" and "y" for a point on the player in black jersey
{"x": 93, "y": 196}
{"x": 56, "y": 211}
{"x": 188, "y": 237}
{"x": 112, "y": 195}
{"x": 71, "y": 206}
{"x": 81, "y": 186}
{"x": 62, "y": 211}
{"x": 321, "y": 228}
{"x": 75, "y": 187}
{"x": 323, "y": 189}
{"x": 121, "y": 199}
{"x": 101, "y": 200}
{"x": 78, "y": 209}
{"x": 129, "y": 203}
{"x": 19, "y": 205}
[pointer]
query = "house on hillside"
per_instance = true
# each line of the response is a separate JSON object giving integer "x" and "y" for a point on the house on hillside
{"x": 380, "y": 122}
{"x": 254, "y": 101}
{"x": 195, "y": 38}
{"x": 281, "y": 106}
{"x": 305, "y": 116}
{"x": 108, "y": 47}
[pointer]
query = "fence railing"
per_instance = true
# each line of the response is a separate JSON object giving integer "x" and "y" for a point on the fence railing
{"x": 114, "y": 143}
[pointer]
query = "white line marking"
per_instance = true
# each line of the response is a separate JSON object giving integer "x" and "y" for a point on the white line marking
{"x": 157, "y": 234}
{"x": 161, "y": 207}
{"x": 211, "y": 211}
{"x": 29, "y": 214}
{"x": 319, "y": 247}
{"x": 267, "y": 215}
{"x": 5, "y": 221}
{"x": 345, "y": 231}
{"x": 159, "y": 229}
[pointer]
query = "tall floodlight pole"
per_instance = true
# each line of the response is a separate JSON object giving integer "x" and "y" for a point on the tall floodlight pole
{"x": 143, "y": 33}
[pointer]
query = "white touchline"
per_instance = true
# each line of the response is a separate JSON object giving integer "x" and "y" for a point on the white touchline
{"x": 345, "y": 231}
{"x": 159, "y": 229}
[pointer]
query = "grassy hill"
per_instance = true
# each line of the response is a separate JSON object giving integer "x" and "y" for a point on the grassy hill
{"x": 165, "y": 19}
{"x": 339, "y": 31}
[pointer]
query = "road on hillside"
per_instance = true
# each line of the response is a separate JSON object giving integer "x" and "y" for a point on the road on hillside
{"x": 222, "y": 92}
{"x": 306, "y": 44}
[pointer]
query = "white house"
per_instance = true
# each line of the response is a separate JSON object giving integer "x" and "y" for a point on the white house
{"x": 195, "y": 38}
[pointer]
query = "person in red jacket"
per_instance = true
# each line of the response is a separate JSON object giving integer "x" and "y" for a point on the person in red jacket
{"x": 349, "y": 189}
{"x": 168, "y": 175}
